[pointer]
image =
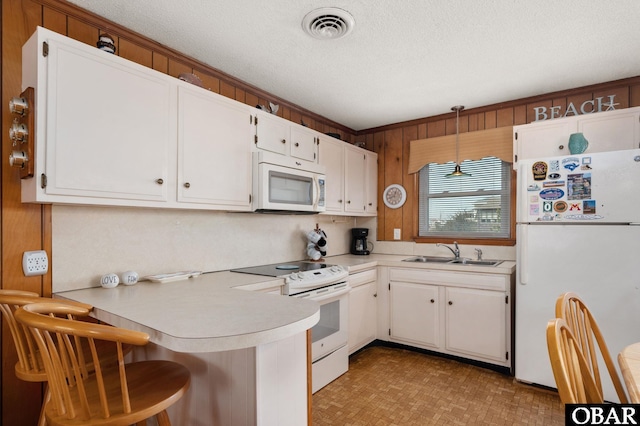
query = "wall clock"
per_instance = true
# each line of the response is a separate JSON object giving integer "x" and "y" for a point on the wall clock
{"x": 394, "y": 196}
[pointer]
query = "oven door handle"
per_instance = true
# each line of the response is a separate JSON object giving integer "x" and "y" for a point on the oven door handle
{"x": 332, "y": 295}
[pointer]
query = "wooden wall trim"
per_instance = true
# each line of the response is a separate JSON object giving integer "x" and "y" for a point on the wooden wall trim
{"x": 82, "y": 15}
{"x": 523, "y": 102}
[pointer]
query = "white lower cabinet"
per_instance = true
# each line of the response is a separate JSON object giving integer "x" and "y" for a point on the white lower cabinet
{"x": 457, "y": 313}
{"x": 476, "y": 323}
{"x": 415, "y": 314}
{"x": 362, "y": 309}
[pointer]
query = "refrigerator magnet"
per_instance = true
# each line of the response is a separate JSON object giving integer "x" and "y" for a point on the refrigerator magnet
{"x": 539, "y": 170}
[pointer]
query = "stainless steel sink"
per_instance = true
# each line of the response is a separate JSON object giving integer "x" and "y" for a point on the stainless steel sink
{"x": 477, "y": 262}
{"x": 436, "y": 259}
{"x": 428, "y": 259}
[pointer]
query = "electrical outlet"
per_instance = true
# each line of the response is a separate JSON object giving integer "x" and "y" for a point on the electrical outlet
{"x": 35, "y": 263}
{"x": 396, "y": 233}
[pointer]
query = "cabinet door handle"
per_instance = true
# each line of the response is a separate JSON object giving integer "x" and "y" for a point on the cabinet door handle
{"x": 340, "y": 201}
{"x": 561, "y": 147}
{"x": 450, "y": 302}
{"x": 433, "y": 301}
{"x": 375, "y": 294}
{"x": 297, "y": 144}
{"x": 187, "y": 185}
{"x": 160, "y": 181}
{"x": 284, "y": 141}
{"x": 348, "y": 201}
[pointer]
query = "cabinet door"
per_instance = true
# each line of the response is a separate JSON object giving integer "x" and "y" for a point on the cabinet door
{"x": 362, "y": 316}
{"x": 476, "y": 323}
{"x": 331, "y": 155}
{"x": 214, "y": 150}
{"x": 371, "y": 183}
{"x": 110, "y": 126}
{"x": 354, "y": 188}
{"x": 611, "y": 132}
{"x": 539, "y": 140}
{"x": 414, "y": 316}
{"x": 272, "y": 133}
{"x": 304, "y": 143}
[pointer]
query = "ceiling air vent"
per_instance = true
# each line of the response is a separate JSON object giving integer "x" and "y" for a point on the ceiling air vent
{"x": 328, "y": 23}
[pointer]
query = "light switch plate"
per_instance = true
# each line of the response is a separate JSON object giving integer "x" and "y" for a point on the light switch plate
{"x": 396, "y": 233}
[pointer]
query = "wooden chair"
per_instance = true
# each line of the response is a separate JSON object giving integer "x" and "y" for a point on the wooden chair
{"x": 121, "y": 394}
{"x": 575, "y": 312}
{"x": 29, "y": 366}
{"x": 574, "y": 380}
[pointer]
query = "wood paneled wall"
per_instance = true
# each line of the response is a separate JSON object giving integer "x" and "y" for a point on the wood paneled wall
{"x": 392, "y": 142}
{"x": 28, "y": 227}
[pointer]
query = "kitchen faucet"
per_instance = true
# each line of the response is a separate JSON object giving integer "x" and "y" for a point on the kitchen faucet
{"x": 455, "y": 252}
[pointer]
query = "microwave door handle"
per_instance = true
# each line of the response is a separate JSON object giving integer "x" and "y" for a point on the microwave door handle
{"x": 317, "y": 192}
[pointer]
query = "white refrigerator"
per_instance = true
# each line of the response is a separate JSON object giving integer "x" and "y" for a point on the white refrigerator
{"x": 578, "y": 229}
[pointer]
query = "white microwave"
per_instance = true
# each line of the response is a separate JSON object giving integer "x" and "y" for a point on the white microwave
{"x": 284, "y": 184}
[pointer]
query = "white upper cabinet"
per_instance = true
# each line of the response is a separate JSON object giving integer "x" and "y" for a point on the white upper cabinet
{"x": 605, "y": 131}
{"x": 272, "y": 132}
{"x": 105, "y": 126}
{"x": 371, "y": 183}
{"x": 610, "y": 132}
{"x": 304, "y": 143}
{"x": 354, "y": 188}
{"x": 214, "y": 150}
{"x": 332, "y": 156}
{"x": 352, "y": 178}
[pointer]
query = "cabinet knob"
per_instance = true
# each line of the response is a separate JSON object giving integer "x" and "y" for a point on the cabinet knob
{"x": 450, "y": 302}
{"x": 370, "y": 204}
{"x": 561, "y": 147}
{"x": 375, "y": 294}
{"x": 433, "y": 301}
{"x": 187, "y": 185}
{"x": 160, "y": 181}
{"x": 340, "y": 201}
{"x": 283, "y": 141}
{"x": 297, "y": 144}
{"x": 348, "y": 201}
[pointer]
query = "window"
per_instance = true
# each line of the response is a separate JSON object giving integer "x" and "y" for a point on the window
{"x": 476, "y": 206}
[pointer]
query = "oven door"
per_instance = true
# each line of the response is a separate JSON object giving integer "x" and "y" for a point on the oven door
{"x": 331, "y": 332}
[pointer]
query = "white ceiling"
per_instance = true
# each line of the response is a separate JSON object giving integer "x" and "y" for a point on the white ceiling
{"x": 405, "y": 59}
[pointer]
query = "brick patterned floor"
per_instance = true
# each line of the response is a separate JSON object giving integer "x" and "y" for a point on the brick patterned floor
{"x": 389, "y": 386}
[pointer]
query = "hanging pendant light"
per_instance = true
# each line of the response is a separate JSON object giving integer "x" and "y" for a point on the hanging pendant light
{"x": 457, "y": 172}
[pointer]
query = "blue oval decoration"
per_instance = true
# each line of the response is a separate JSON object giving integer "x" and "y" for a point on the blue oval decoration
{"x": 551, "y": 194}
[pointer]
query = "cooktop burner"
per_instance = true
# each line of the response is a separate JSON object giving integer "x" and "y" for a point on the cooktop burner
{"x": 282, "y": 269}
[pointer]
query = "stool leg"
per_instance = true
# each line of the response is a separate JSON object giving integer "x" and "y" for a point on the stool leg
{"x": 163, "y": 418}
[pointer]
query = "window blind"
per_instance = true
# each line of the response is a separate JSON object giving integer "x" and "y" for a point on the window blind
{"x": 473, "y": 206}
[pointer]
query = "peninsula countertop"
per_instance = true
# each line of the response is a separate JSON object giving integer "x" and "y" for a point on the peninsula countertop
{"x": 202, "y": 314}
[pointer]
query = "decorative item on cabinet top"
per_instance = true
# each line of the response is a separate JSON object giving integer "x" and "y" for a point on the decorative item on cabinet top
{"x": 191, "y": 78}
{"x": 105, "y": 42}
{"x": 22, "y": 132}
{"x": 577, "y": 143}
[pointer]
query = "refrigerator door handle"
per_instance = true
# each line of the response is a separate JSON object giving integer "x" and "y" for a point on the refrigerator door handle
{"x": 523, "y": 255}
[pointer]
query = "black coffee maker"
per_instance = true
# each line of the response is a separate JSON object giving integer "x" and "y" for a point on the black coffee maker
{"x": 359, "y": 241}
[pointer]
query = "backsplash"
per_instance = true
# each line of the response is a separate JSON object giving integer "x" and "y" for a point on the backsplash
{"x": 91, "y": 241}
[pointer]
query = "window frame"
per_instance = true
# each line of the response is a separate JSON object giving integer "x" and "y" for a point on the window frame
{"x": 506, "y": 241}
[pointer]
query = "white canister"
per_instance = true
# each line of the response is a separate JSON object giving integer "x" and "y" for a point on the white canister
{"x": 109, "y": 280}
{"x": 129, "y": 278}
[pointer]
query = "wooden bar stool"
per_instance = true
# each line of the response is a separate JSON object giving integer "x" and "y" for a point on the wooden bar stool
{"x": 121, "y": 394}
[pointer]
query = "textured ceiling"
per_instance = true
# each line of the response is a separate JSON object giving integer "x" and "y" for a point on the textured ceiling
{"x": 405, "y": 59}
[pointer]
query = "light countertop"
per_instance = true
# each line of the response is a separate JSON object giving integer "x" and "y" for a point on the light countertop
{"x": 201, "y": 314}
{"x": 215, "y": 312}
